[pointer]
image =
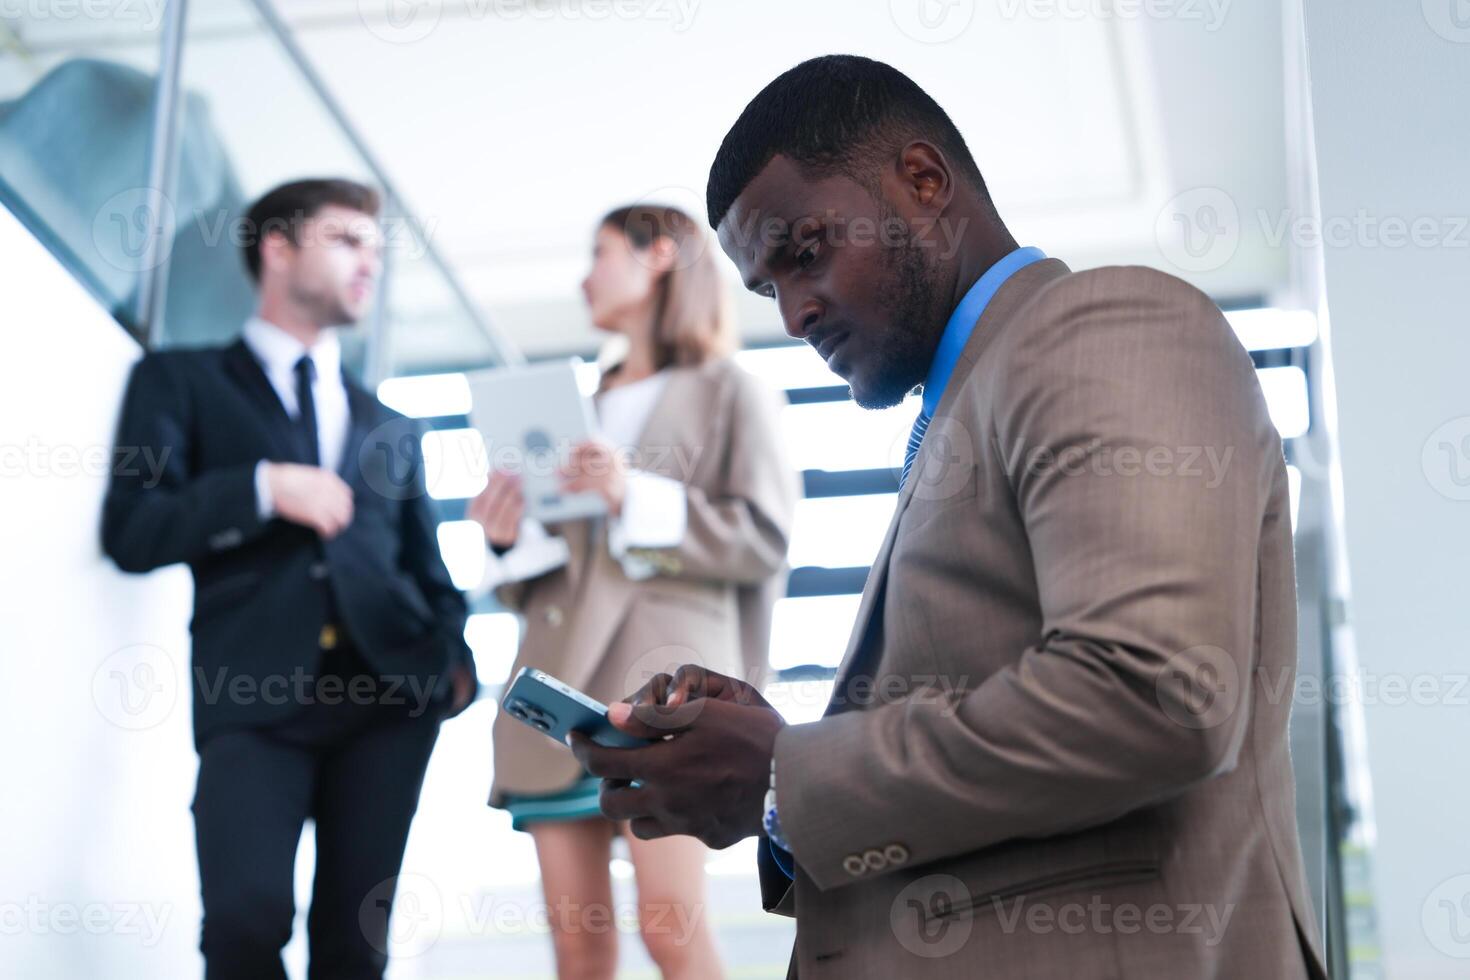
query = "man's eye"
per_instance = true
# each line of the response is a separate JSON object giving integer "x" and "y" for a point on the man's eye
{"x": 806, "y": 257}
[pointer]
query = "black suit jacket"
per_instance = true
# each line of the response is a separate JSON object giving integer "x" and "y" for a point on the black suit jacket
{"x": 264, "y": 589}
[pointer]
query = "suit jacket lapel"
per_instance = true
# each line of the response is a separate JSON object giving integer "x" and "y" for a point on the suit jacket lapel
{"x": 662, "y": 432}
{"x": 1010, "y": 297}
{"x": 360, "y": 412}
{"x": 277, "y": 424}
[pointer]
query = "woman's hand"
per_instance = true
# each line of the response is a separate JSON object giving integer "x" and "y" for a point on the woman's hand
{"x": 499, "y": 509}
{"x": 596, "y": 467}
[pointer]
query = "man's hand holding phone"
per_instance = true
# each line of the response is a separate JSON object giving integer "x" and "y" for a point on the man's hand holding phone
{"x": 709, "y": 779}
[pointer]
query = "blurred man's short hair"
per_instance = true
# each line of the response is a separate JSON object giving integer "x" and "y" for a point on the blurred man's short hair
{"x": 287, "y": 207}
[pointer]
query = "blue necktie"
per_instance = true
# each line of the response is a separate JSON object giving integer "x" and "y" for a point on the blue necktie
{"x": 916, "y": 437}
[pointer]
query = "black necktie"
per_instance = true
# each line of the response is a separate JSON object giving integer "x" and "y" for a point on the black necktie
{"x": 306, "y": 409}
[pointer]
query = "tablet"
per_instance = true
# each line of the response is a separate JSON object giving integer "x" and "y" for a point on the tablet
{"x": 531, "y": 417}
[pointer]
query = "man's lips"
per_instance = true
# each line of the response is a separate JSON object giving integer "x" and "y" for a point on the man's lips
{"x": 829, "y": 344}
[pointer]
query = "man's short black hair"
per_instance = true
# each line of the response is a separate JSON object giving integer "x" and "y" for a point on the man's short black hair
{"x": 838, "y": 114}
{"x": 285, "y": 207}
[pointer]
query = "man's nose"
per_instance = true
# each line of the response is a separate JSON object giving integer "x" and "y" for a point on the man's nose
{"x": 803, "y": 320}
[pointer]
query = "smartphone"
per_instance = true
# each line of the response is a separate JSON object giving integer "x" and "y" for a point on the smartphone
{"x": 548, "y": 705}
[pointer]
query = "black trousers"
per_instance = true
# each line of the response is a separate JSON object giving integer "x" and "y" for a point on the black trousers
{"x": 355, "y": 767}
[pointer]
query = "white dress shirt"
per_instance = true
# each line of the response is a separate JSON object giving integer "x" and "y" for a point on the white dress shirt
{"x": 654, "y": 513}
{"x": 277, "y": 351}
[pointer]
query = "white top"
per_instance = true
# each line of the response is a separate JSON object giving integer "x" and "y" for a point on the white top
{"x": 278, "y": 353}
{"x": 623, "y": 412}
{"x": 654, "y": 513}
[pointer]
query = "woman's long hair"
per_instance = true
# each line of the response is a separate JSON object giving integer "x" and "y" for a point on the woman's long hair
{"x": 693, "y": 314}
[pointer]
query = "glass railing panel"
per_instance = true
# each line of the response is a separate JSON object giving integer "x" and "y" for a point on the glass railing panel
{"x": 77, "y": 97}
{"x": 249, "y": 122}
{"x": 433, "y": 329}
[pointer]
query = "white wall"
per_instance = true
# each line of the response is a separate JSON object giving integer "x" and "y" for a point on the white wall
{"x": 97, "y": 872}
{"x": 95, "y": 834}
{"x": 1388, "y": 83}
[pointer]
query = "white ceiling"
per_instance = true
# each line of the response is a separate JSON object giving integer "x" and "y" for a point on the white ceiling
{"x": 512, "y": 133}
{"x": 511, "y": 126}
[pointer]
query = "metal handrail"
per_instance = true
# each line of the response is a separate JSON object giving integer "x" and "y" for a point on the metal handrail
{"x": 163, "y": 154}
{"x": 164, "y": 146}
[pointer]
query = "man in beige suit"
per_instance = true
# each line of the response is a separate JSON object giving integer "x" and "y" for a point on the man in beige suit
{"x": 1054, "y": 746}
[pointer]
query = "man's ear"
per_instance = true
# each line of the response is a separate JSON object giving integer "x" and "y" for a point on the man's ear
{"x": 924, "y": 177}
{"x": 275, "y": 249}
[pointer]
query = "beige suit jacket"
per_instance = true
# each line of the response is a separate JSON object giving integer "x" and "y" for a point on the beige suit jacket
{"x": 716, "y": 429}
{"x": 1057, "y": 745}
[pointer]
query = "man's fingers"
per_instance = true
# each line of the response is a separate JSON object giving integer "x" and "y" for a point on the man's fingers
{"x": 602, "y": 761}
{"x": 651, "y": 721}
{"x": 656, "y": 691}
{"x": 330, "y": 525}
{"x": 648, "y": 828}
{"x": 690, "y": 681}
{"x": 620, "y": 801}
{"x": 338, "y": 514}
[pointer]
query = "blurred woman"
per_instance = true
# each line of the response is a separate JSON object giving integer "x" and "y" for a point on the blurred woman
{"x": 684, "y": 568}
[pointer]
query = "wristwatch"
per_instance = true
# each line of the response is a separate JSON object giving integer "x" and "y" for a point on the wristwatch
{"x": 772, "y": 821}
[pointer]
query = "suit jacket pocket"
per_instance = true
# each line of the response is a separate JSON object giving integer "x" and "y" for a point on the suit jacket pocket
{"x": 406, "y": 591}
{"x": 978, "y": 900}
{"x": 222, "y": 591}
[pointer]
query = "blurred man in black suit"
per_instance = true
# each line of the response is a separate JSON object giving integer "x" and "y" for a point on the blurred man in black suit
{"x": 328, "y": 637}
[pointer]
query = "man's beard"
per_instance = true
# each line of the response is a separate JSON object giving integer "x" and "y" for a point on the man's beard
{"x": 914, "y": 313}
{"x": 325, "y": 309}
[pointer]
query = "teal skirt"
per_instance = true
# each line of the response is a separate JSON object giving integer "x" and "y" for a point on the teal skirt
{"x": 577, "y": 802}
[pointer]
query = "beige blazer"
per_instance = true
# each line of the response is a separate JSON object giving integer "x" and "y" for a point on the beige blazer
{"x": 1057, "y": 745}
{"x": 715, "y": 428}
